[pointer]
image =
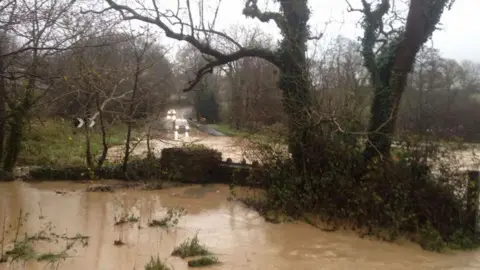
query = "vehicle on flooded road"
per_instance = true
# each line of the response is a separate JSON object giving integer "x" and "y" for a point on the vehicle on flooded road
{"x": 180, "y": 126}
{"x": 171, "y": 115}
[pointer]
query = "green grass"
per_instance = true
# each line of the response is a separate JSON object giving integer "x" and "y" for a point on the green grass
{"x": 57, "y": 143}
{"x": 190, "y": 248}
{"x": 24, "y": 251}
{"x": 52, "y": 257}
{"x": 203, "y": 261}
{"x": 156, "y": 264}
{"x": 231, "y": 132}
{"x": 21, "y": 251}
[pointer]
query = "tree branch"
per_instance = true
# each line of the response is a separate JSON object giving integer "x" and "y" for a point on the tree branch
{"x": 109, "y": 98}
{"x": 373, "y": 25}
{"x": 251, "y": 10}
{"x": 317, "y": 37}
{"x": 61, "y": 49}
{"x": 221, "y": 58}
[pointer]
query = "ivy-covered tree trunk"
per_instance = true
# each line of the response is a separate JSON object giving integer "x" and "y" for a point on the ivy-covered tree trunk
{"x": 384, "y": 113}
{"x": 389, "y": 71}
{"x": 17, "y": 122}
{"x": 381, "y": 126}
{"x": 14, "y": 139}
{"x": 295, "y": 82}
{"x": 382, "y": 119}
{"x": 19, "y": 118}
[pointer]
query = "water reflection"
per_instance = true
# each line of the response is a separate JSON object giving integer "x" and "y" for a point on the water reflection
{"x": 239, "y": 236}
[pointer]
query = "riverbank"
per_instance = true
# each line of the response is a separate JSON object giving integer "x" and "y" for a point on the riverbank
{"x": 192, "y": 165}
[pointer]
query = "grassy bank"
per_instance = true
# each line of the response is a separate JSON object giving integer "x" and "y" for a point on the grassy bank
{"x": 229, "y": 131}
{"x": 265, "y": 135}
{"x": 57, "y": 142}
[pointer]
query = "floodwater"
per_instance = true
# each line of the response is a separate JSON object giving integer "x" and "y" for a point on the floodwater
{"x": 238, "y": 236}
{"x": 229, "y": 147}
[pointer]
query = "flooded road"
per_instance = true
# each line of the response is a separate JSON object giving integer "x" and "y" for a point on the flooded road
{"x": 229, "y": 147}
{"x": 238, "y": 236}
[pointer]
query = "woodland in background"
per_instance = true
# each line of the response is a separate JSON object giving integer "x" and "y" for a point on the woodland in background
{"x": 440, "y": 98}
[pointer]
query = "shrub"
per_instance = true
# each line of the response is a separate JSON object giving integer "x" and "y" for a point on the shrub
{"x": 190, "y": 248}
{"x": 156, "y": 264}
{"x": 203, "y": 261}
{"x": 190, "y": 164}
{"x": 60, "y": 173}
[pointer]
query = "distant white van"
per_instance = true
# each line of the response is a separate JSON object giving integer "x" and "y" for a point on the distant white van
{"x": 181, "y": 126}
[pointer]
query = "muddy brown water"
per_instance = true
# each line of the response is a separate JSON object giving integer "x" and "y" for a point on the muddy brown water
{"x": 239, "y": 236}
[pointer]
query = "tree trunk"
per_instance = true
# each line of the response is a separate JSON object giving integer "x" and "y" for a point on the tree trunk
{"x": 88, "y": 148}
{"x": 130, "y": 119}
{"x": 102, "y": 158}
{"x": 14, "y": 140}
{"x": 423, "y": 15}
{"x": 18, "y": 121}
{"x": 295, "y": 83}
{"x": 127, "y": 147}
{"x": 2, "y": 104}
{"x": 381, "y": 124}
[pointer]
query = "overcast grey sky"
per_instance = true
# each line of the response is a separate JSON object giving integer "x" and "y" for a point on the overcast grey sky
{"x": 459, "y": 38}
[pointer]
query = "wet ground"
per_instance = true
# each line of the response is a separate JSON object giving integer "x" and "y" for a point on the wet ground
{"x": 230, "y": 147}
{"x": 199, "y": 134}
{"x": 238, "y": 236}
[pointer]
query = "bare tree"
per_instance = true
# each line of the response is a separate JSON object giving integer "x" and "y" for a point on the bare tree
{"x": 94, "y": 78}
{"x": 254, "y": 99}
{"x": 141, "y": 47}
{"x": 339, "y": 85}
